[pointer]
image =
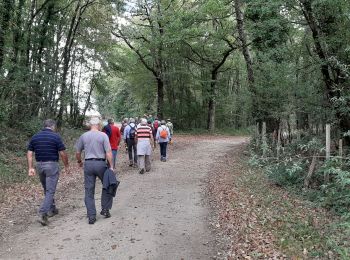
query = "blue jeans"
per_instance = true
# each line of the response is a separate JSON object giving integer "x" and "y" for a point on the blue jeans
{"x": 48, "y": 173}
{"x": 114, "y": 157}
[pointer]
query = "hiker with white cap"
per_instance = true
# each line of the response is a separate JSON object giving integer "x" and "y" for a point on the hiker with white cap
{"x": 97, "y": 150}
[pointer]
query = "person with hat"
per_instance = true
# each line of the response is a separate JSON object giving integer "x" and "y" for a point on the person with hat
{"x": 97, "y": 150}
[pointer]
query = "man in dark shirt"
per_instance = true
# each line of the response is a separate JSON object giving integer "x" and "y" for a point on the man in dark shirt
{"x": 47, "y": 146}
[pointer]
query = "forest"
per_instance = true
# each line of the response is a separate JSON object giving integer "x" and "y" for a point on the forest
{"x": 206, "y": 64}
{"x": 277, "y": 70}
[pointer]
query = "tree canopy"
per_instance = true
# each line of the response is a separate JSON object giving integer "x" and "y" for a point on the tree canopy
{"x": 205, "y": 64}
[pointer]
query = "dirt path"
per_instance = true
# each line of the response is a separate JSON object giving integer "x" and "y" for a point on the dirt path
{"x": 159, "y": 215}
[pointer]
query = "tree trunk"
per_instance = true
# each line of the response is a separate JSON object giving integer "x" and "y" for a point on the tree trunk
{"x": 244, "y": 46}
{"x": 4, "y": 25}
{"x": 331, "y": 90}
{"x": 160, "y": 98}
{"x": 212, "y": 101}
{"x": 66, "y": 60}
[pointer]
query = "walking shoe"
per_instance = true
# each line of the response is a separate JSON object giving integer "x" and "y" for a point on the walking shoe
{"x": 52, "y": 212}
{"x": 92, "y": 220}
{"x": 142, "y": 171}
{"x": 43, "y": 220}
{"x": 105, "y": 212}
{"x": 131, "y": 164}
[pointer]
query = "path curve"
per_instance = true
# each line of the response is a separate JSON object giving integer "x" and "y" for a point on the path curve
{"x": 159, "y": 215}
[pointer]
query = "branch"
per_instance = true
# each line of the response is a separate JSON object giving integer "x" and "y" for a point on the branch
{"x": 142, "y": 58}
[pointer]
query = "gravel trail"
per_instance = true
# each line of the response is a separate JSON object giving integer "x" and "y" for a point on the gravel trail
{"x": 159, "y": 215}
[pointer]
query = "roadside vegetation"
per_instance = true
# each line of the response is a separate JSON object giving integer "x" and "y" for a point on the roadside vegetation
{"x": 13, "y": 150}
{"x": 302, "y": 170}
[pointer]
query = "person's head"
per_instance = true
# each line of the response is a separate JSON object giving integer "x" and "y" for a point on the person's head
{"x": 149, "y": 122}
{"x": 162, "y": 122}
{"x": 132, "y": 120}
{"x": 110, "y": 121}
{"x": 95, "y": 123}
{"x": 168, "y": 120}
{"x": 126, "y": 120}
{"x": 51, "y": 124}
{"x": 143, "y": 121}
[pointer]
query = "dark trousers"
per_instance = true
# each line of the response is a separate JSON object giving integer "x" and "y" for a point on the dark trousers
{"x": 163, "y": 147}
{"x": 132, "y": 148}
{"x": 93, "y": 169}
{"x": 48, "y": 174}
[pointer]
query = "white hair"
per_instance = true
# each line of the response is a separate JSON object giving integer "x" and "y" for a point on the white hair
{"x": 94, "y": 121}
{"x": 143, "y": 121}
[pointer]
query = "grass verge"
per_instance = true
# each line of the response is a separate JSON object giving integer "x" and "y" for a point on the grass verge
{"x": 303, "y": 230}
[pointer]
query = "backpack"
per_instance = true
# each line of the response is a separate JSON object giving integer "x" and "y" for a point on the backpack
{"x": 163, "y": 133}
{"x": 132, "y": 132}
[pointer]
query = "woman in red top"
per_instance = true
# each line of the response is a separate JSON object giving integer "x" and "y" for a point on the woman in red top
{"x": 114, "y": 138}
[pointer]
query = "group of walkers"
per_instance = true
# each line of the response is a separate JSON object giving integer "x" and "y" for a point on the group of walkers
{"x": 100, "y": 157}
{"x": 157, "y": 131}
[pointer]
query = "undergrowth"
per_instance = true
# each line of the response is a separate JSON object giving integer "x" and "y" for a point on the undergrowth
{"x": 13, "y": 149}
{"x": 290, "y": 170}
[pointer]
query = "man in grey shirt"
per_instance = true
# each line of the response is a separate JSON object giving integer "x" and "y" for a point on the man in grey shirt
{"x": 97, "y": 149}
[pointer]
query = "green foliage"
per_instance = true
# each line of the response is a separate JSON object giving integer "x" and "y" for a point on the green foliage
{"x": 287, "y": 172}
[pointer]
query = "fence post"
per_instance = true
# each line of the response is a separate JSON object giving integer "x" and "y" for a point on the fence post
{"x": 341, "y": 150}
{"x": 328, "y": 148}
{"x": 263, "y": 139}
{"x": 278, "y": 142}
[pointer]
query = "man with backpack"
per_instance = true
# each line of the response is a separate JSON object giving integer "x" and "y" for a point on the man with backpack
{"x": 129, "y": 138}
{"x": 163, "y": 136}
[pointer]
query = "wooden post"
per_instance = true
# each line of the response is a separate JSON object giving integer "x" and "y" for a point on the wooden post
{"x": 341, "y": 151}
{"x": 263, "y": 139}
{"x": 328, "y": 148}
{"x": 298, "y": 135}
{"x": 310, "y": 172}
{"x": 257, "y": 133}
{"x": 278, "y": 142}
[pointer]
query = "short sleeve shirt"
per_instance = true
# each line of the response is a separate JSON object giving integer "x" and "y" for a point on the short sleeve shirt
{"x": 46, "y": 145}
{"x": 95, "y": 145}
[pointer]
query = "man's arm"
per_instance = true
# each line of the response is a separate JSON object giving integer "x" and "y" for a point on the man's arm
{"x": 31, "y": 170}
{"x": 109, "y": 158}
{"x": 125, "y": 134}
{"x": 108, "y": 149}
{"x": 64, "y": 157}
{"x": 78, "y": 157}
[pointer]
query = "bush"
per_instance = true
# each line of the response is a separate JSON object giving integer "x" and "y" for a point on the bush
{"x": 287, "y": 172}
